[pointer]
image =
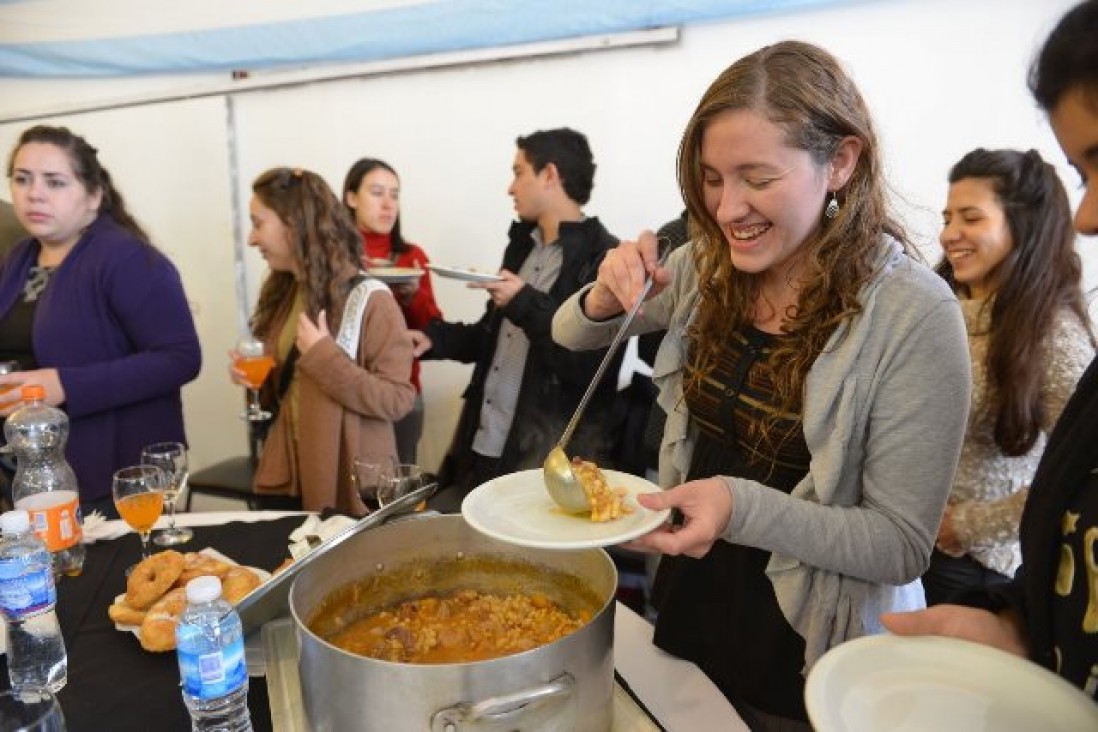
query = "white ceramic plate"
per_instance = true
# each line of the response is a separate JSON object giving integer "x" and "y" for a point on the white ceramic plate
{"x": 456, "y": 273}
{"x": 516, "y": 508}
{"x": 902, "y": 684}
{"x": 395, "y": 275}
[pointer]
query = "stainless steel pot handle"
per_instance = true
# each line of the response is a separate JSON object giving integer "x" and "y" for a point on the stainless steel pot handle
{"x": 502, "y": 710}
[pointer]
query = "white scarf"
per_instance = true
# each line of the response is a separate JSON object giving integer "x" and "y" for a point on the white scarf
{"x": 351, "y": 328}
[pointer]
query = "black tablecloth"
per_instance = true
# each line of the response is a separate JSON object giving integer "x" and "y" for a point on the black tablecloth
{"x": 113, "y": 683}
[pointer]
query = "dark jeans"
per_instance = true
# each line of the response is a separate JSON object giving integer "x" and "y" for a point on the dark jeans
{"x": 408, "y": 430}
{"x": 948, "y": 576}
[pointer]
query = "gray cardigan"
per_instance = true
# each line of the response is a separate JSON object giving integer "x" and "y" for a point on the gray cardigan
{"x": 885, "y": 406}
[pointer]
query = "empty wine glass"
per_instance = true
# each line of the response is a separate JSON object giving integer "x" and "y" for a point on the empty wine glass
{"x": 139, "y": 497}
{"x": 256, "y": 365}
{"x": 171, "y": 458}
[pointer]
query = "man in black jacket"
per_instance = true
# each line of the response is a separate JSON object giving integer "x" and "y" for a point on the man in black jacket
{"x": 524, "y": 387}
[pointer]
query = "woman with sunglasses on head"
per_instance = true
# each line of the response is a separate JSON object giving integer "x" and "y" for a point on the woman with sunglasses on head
{"x": 338, "y": 339}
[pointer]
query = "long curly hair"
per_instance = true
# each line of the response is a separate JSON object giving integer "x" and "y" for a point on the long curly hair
{"x": 86, "y": 167}
{"x": 804, "y": 91}
{"x": 1039, "y": 278}
{"x": 324, "y": 241}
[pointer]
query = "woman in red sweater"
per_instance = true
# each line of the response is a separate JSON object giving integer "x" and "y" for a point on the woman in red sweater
{"x": 371, "y": 192}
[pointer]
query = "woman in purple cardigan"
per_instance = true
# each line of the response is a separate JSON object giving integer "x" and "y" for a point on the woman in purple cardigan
{"x": 92, "y": 312}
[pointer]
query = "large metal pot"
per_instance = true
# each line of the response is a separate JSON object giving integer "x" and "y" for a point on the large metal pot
{"x": 566, "y": 685}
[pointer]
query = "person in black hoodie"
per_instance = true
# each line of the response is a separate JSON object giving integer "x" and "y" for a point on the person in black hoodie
{"x": 524, "y": 387}
{"x": 1048, "y": 613}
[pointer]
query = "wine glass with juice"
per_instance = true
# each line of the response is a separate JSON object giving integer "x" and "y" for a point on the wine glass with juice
{"x": 256, "y": 365}
{"x": 139, "y": 497}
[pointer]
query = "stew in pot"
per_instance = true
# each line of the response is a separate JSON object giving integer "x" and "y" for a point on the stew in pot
{"x": 462, "y": 627}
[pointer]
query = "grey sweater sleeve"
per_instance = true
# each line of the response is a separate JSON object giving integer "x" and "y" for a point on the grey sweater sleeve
{"x": 573, "y": 329}
{"x": 879, "y": 478}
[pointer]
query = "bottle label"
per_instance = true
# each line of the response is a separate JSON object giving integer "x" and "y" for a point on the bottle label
{"x": 215, "y": 674}
{"x": 25, "y": 589}
{"x": 55, "y": 517}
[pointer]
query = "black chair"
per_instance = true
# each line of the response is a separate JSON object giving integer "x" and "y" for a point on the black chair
{"x": 232, "y": 478}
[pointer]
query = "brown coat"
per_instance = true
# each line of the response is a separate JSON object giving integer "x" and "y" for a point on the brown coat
{"x": 345, "y": 409}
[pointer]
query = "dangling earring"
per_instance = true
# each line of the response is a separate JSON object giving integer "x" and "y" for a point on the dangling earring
{"x": 832, "y": 208}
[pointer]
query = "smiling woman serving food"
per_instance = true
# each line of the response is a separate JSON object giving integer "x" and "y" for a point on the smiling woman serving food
{"x": 811, "y": 365}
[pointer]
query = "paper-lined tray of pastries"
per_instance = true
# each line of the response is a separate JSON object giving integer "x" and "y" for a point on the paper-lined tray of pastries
{"x": 155, "y": 594}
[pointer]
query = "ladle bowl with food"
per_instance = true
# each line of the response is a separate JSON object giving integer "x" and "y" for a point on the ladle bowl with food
{"x": 560, "y": 479}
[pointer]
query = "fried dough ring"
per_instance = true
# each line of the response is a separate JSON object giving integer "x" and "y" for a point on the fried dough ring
{"x": 158, "y": 628}
{"x": 196, "y": 564}
{"x": 238, "y": 583}
{"x": 123, "y": 614}
{"x": 152, "y": 577}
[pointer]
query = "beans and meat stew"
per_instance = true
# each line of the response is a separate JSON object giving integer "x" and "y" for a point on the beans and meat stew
{"x": 498, "y": 609}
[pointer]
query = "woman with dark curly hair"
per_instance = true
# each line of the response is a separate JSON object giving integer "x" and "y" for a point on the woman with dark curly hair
{"x": 811, "y": 364}
{"x": 342, "y": 352}
{"x": 1010, "y": 256}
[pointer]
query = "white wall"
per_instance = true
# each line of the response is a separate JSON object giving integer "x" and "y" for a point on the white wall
{"x": 942, "y": 77}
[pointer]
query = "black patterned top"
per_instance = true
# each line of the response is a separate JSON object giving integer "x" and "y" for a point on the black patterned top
{"x": 720, "y": 611}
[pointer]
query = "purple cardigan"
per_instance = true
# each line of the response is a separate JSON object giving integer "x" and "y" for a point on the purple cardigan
{"x": 115, "y": 324}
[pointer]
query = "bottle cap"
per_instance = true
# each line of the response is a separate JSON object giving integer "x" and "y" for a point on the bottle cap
{"x": 33, "y": 391}
{"x": 15, "y": 522}
{"x": 206, "y": 588}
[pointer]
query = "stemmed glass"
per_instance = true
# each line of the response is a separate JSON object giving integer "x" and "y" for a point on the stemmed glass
{"x": 256, "y": 365}
{"x": 171, "y": 458}
{"x": 139, "y": 497}
{"x": 380, "y": 480}
{"x": 368, "y": 473}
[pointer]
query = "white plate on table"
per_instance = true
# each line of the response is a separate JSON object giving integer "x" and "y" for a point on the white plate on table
{"x": 904, "y": 684}
{"x": 468, "y": 275}
{"x": 253, "y": 651}
{"x": 517, "y": 509}
{"x": 395, "y": 275}
{"x": 263, "y": 575}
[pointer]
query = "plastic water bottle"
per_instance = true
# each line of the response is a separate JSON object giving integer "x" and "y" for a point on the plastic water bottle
{"x": 210, "y": 649}
{"x": 44, "y": 484}
{"x": 28, "y": 596}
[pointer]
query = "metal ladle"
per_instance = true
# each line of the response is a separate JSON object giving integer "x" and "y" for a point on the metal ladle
{"x": 560, "y": 481}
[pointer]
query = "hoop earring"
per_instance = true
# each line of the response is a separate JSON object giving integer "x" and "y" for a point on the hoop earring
{"x": 832, "y": 208}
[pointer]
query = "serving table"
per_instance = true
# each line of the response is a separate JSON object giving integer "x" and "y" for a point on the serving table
{"x": 114, "y": 684}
